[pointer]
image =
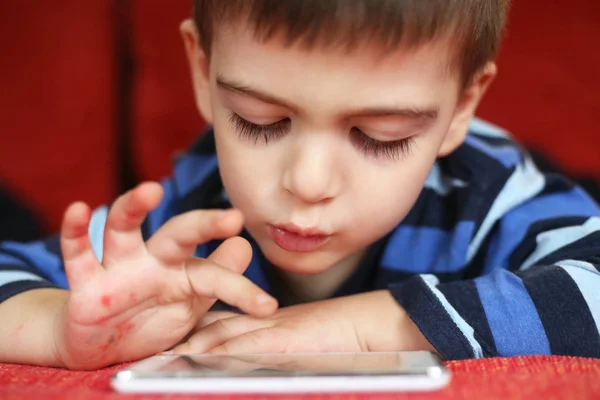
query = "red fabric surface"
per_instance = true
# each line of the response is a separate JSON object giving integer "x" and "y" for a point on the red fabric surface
{"x": 57, "y": 113}
{"x": 163, "y": 111}
{"x": 500, "y": 378}
{"x": 547, "y": 89}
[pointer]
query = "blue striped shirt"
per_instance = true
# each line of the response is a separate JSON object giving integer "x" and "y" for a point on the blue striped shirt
{"x": 494, "y": 259}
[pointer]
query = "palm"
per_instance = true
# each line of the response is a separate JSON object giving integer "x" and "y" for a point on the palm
{"x": 143, "y": 297}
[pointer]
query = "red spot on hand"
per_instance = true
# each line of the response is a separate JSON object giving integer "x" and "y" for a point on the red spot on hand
{"x": 133, "y": 298}
{"x": 113, "y": 340}
{"x": 105, "y": 346}
{"x": 123, "y": 328}
{"x": 82, "y": 243}
{"x": 106, "y": 300}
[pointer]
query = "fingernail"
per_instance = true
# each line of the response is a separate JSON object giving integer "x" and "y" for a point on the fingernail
{"x": 264, "y": 299}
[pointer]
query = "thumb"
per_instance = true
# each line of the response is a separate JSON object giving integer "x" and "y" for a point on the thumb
{"x": 234, "y": 254}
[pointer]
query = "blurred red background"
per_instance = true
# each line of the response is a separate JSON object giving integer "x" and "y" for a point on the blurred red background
{"x": 96, "y": 95}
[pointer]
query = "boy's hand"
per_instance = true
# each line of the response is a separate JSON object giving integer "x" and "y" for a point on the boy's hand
{"x": 366, "y": 322}
{"x": 145, "y": 297}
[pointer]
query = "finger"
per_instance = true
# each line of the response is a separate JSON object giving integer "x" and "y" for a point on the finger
{"x": 78, "y": 255}
{"x": 123, "y": 235}
{"x": 234, "y": 254}
{"x": 211, "y": 281}
{"x": 265, "y": 341}
{"x": 213, "y": 316}
{"x": 177, "y": 240}
{"x": 219, "y": 332}
{"x": 208, "y": 319}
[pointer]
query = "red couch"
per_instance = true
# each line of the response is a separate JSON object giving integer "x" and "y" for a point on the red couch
{"x": 96, "y": 91}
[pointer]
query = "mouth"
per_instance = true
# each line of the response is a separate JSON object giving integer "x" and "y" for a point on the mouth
{"x": 299, "y": 240}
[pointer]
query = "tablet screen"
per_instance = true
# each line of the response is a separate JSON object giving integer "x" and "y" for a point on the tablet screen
{"x": 326, "y": 364}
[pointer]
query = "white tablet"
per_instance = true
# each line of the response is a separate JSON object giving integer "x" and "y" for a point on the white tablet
{"x": 284, "y": 373}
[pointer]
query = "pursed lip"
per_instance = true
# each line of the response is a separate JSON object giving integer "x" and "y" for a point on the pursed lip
{"x": 293, "y": 228}
{"x": 292, "y": 238}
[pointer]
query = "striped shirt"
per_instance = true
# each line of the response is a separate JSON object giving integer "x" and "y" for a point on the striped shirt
{"x": 494, "y": 259}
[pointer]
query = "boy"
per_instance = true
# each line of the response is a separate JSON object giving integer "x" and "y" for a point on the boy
{"x": 371, "y": 204}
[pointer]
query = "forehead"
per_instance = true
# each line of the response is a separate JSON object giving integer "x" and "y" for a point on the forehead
{"x": 365, "y": 71}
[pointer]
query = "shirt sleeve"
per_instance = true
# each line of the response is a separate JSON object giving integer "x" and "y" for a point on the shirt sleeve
{"x": 537, "y": 289}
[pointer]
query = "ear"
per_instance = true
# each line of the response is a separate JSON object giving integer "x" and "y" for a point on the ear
{"x": 199, "y": 68}
{"x": 466, "y": 107}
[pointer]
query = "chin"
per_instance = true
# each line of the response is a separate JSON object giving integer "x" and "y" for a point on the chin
{"x": 299, "y": 263}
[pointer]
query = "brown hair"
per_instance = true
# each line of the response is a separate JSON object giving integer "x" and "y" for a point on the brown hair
{"x": 476, "y": 25}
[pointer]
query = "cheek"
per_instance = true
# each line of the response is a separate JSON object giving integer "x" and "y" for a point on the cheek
{"x": 245, "y": 175}
{"x": 236, "y": 171}
{"x": 385, "y": 202}
{"x": 384, "y": 197}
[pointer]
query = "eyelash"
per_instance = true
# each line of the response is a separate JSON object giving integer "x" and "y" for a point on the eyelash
{"x": 392, "y": 149}
{"x": 248, "y": 130}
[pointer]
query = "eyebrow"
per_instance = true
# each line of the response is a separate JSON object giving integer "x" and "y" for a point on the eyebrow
{"x": 411, "y": 112}
{"x": 425, "y": 114}
{"x": 243, "y": 89}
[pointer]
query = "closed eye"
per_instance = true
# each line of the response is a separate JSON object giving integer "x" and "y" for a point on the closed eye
{"x": 256, "y": 132}
{"x": 393, "y": 149}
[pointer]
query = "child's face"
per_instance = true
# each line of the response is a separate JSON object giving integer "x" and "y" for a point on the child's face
{"x": 322, "y": 168}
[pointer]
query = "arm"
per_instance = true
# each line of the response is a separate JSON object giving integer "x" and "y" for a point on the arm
{"x": 28, "y": 319}
{"x": 537, "y": 293}
{"x": 32, "y": 294}
{"x": 143, "y": 298}
{"x": 549, "y": 309}
{"x": 34, "y": 291}
{"x": 33, "y": 281}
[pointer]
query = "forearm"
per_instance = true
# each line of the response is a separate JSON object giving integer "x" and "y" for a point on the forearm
{"x": 28, "y": 327}
{"x": 549, "y": 309}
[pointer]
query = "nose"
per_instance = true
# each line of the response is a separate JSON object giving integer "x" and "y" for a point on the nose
{"x": 311, "y": 173}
